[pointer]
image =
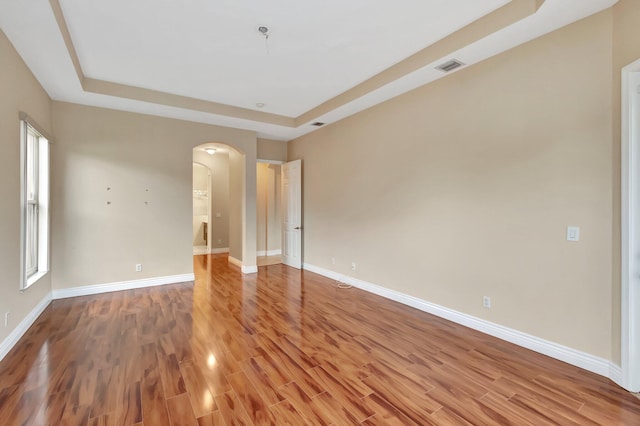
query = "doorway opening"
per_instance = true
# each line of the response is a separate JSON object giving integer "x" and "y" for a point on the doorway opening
{"x": 201, "y": 190}
{"x": 268, "y": 213}
{"x": 279, "y": 213}
{"x": 630, "y": 227}
{"x": 212, "y": 200}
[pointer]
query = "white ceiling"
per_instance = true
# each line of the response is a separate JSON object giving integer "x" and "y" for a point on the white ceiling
{"x": 212, "y": 50}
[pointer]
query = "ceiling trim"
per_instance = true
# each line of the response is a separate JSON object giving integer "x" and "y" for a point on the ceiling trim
{"x": 169, "y": 99}
{"x": 497, "y": 20}
{"x": 500, "y": 18}
{"x": 154, "y": 96}
{"x": 66, "y": 36}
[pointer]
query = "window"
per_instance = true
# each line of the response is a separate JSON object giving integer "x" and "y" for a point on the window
{"x": 35, "y": 204}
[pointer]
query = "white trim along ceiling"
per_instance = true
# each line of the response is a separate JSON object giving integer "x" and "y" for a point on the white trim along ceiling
{"x": 320, "y": 61}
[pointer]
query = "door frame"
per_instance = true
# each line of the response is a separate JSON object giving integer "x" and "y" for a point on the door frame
{"x": 279, "y": 200}
{"x": 630, "y": 227}
{"x": 209, "y": 174}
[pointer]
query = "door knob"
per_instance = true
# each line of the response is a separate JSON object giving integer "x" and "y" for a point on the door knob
{"x": 298, "y": 227}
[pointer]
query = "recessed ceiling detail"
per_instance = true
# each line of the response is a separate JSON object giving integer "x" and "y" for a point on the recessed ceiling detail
{"x": 211, "y": 51}
{"x": 324, "y": 60}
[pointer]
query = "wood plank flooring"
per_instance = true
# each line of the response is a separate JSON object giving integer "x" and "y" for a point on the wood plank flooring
{"x": 269, "y": 260}
{"x": 283, "y": 347}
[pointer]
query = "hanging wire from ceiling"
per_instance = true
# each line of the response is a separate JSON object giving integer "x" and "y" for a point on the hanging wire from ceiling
{"x": 265, "y": 32}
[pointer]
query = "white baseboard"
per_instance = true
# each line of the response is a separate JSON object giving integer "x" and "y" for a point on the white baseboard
{"x": 197, "y": 251}
{"x": 219, "y": 250}
{"x": 118, "y": 286}
{"x": 9, "y": 342}
{"x": 235, "y": 261}
{"x": 246, "y": 269}
{"x": 571, "y": 356}
{"x": 250, "y": 269}
{"x": 277, "y": 252}
{"x": 615, "y": 374}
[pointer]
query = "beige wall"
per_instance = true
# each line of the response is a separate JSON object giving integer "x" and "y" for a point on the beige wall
{"x": 465, "y": 188}
{"x": 492, "y": 163}
{"x": 20, "y": 92}
{"x": 218, "y": 165}
{"x": 626, "y": 49}
{"x": 261, "y": 207}
{"x": 147, "y": 164}
{"x": 268, "y": 208}
{"x": 274, "y": 222}
{"x": 272, "y": 150}
{"x": 236, "y": 208}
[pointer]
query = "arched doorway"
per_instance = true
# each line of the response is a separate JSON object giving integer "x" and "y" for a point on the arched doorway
{"x": 230, "y": 221}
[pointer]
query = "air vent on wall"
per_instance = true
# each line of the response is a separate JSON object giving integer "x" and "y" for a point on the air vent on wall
{"x": 450, "y": 65}
{"x": 317, "y": 124}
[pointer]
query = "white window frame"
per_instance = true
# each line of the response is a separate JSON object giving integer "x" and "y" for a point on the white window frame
{"x": 630, "y": 228}
{"x": 39, "y": 201}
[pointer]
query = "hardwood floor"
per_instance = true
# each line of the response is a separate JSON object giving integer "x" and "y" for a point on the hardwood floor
{"x": 282, "y": 347}
{"x": 269, "y": 260}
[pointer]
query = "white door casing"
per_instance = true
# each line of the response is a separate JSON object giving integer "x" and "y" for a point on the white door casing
{"x": 292, "y": 214}
{"x": 630, "y": 227}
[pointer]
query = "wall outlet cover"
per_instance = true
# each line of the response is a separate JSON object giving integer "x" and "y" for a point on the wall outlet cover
{"x": 486, "y": 301}
{"x": 573, "y": 233}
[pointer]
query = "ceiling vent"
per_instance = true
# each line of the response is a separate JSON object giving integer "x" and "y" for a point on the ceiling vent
{"x": 450, "y": 65}
{"x": 317, "y": 124}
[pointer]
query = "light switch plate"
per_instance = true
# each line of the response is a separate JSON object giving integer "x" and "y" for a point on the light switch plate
{"x": 573, "y": 233}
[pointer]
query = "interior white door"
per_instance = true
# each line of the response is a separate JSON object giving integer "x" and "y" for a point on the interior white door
{"x": 292, "y": 214}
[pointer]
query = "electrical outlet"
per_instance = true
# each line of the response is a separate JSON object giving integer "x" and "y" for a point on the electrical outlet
{"x": 353, "y": 266}
{"x": 573, "y": 233}
{"x": 333, "y": 260}
{"x": 486, "y": 301}
{"x": 138, "y": 267}
{"x": 6, "y": 318}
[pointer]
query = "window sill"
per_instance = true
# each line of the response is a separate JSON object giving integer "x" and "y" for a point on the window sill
{"x": 34, "y": 278}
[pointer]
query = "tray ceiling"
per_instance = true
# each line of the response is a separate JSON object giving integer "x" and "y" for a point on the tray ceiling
{"x": 206, "y": 61}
